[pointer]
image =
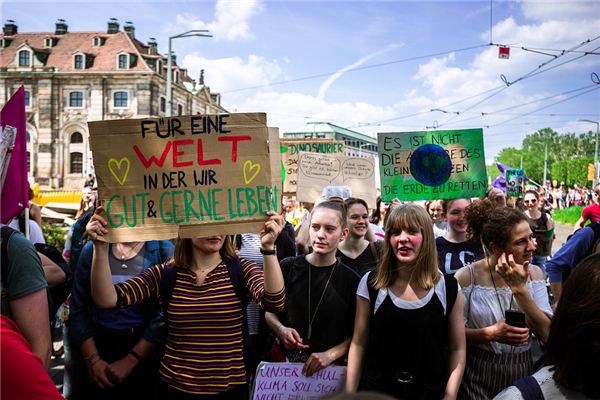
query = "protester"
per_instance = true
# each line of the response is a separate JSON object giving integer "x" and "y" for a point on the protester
{"x": 409, "y": 339}
{"x": 317, "y": 321}
{"x": 117, "y": 345}
{"x": 24, "y": 297}
{"x": 494, "y": 288}
{"x": 36, "y": 235}
{"x": 496, "y": 196}
{"x": 581, "y": 244}
{"x": 355, "y": 250}
{"x": 436, "y": 211}
{"x": 592, "y": 212}
{"x": 542, "y": 226}
{"x": 22, "y": 373}
{"x": 455, "y": 249}
{"x": 204, "y": 310}
{"x": 573, "y": 349}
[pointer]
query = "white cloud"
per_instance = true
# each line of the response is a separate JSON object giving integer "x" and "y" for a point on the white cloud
{"x": 225, "y": 74}
{"x": 560, "y": 10}
{"x": 231, "y": 19}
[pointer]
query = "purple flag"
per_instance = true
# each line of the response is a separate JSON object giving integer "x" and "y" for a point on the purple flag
{"x": 15, "y": 195}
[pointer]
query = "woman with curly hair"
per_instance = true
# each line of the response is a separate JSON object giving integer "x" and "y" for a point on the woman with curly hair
{"x": 505, "y": 301}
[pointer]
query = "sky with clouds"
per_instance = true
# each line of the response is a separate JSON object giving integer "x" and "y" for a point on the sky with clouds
{"x": 374, "y": 66}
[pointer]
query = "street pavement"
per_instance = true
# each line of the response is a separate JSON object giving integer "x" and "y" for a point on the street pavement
{"x": 562, "y": 231}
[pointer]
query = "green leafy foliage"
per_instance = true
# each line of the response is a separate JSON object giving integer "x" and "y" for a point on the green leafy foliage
{"x": 567, "y": 215}
{"x": 573, "y": 171}
{"x": 55, "y": 235}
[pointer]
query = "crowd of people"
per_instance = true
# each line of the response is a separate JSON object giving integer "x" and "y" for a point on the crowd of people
{"x": 444, "y": 299}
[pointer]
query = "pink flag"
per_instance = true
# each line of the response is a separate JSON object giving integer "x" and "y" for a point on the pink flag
{"x": 15, "y": 195}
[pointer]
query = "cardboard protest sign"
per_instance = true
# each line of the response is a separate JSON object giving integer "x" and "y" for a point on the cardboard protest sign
{"x": 290, "y": 150}
{"x": 315, "y": 171}
{"x": 186, "y": 176}
{"x": 515, "y": 182}
{"x": 432, "y": 165}
{"x": 285, "y": 381}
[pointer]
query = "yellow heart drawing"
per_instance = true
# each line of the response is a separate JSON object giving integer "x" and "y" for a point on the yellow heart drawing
{"x": 115, "y": 168}
{"x": 249, "y": 166}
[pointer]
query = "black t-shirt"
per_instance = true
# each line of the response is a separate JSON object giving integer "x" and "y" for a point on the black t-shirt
{"x": 334, "y": 319}
{"x": 366, "y": 261}
{"x": 454, "y": 256}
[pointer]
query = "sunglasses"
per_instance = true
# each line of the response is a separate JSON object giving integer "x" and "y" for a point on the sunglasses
{"x": 529, "y": 201}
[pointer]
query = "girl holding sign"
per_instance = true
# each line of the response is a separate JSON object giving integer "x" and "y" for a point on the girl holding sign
{"x": 316, "y": 324}
{"x": 506, "y": 301}
{"x": 203, "y": 291}
{"x": 409, "y": 338}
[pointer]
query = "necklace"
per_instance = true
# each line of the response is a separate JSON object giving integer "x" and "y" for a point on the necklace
{"x": 133, "y": 251}
{"x": 496, "y": 289}
{"x": 311, "y": 319}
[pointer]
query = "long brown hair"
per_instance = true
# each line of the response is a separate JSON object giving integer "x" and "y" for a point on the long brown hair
{"x": 425, "y": 270}
{"x": 184, "y": 251}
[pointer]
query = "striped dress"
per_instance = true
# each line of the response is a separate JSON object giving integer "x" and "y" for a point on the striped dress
{"x": 204, "y": 349}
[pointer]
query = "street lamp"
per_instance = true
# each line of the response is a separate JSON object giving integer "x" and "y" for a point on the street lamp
{"x": 194, "y": 32}
{"x": 595, "y": 150}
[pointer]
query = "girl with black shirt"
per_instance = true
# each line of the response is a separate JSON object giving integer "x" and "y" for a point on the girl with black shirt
{"x": 356, "y": 251}
{"x": 409, "y": 336}
{"x": 317, "y": 321}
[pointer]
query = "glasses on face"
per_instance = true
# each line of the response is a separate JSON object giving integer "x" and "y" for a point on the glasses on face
{"x": 530, "y": 201}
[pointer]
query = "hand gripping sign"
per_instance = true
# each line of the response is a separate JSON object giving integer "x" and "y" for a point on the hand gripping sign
{"x": 186, "y": 176}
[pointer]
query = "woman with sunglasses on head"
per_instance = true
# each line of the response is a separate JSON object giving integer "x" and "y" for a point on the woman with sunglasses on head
{"x": 355, "y": 250}
{"x": 542, "y": 226}
{"x": 207, "y": 288}
{"x": 505, "y": 301}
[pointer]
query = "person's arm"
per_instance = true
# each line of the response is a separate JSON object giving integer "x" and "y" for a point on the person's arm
{"x": 358, "y": 344}
{"x": 95, "y": 364}
{"x": 119, "y": 370}
{"x": 549, "y": 222}
{"x": 579, "y": 224}
{"x": 457, "y": 347}
{"x": 274, "y": 291}
{"x": 516, "y": 277}
{"x": 318, "y": 361}
{"x": 103, "y": 290}
{"x": 30, "y": 313}
{"x": 289, "y": 337}
{"x": 53, "y": 273}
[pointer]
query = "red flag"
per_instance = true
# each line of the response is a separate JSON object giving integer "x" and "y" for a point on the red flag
{"x": 15, "y": 195}
{"x": 504, "y": 52}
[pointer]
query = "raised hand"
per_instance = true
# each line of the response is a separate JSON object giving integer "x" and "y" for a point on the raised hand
{"x": 515, "y": 275}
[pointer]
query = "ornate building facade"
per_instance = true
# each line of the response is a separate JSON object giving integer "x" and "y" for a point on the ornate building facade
{"x": 71, "y": 78}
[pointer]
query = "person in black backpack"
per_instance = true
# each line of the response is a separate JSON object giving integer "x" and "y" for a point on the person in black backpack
{"x": 204, "y": 301}
{"x": 409, "y": 339}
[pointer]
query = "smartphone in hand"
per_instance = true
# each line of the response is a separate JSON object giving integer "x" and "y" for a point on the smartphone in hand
{"x": 515, "y": 318}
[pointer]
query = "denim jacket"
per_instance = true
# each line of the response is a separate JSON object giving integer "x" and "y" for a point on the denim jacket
{"x": 83, "y": 312}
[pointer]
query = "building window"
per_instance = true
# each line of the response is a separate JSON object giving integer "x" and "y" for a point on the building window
{"x": 163, "y": 104}
{"x": 159, "y": 67}
{"x": 48, "y": 42}
{"x": 176, "y": 79}
{"x": 179, "y": 109}
{"x": 76, "y": 137}
{"x": 97, "y": 41}
{"x": 78, "y": 61}
{"x": 76, "y": 163}
{"x": 122, "y": 61}
{"x": 76, "y": 99}
{"x": 120, "y": 99}
{"x": 24, "y": 58}
{"x": 27, "y": 98}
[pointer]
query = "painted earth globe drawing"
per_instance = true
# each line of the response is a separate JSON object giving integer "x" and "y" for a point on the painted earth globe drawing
{"x": 430, "y": 165}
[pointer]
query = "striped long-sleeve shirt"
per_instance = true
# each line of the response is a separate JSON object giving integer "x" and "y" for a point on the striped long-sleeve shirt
{"x": 204, "y": 350}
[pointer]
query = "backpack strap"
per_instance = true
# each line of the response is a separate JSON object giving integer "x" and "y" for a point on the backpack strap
{"x": 530, "y": 388}
{"x": 7, "y": 232}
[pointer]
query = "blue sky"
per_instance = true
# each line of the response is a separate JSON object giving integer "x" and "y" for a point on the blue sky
{"x": 262, "y": 43}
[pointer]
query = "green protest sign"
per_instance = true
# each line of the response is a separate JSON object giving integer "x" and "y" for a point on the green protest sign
{"x": 432, "y": 165}
{"x": 515, "y": 182}
{"x": 186, "y": 176}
